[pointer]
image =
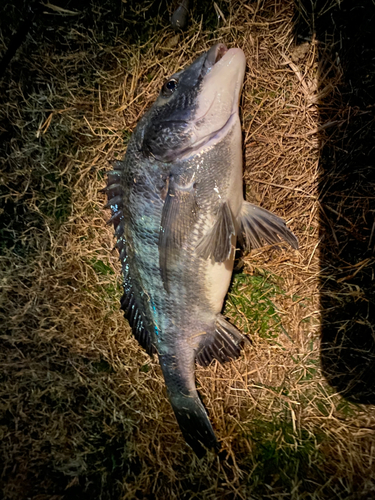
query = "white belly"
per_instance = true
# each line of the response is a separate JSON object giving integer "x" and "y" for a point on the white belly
{"x": 218, "y": 274}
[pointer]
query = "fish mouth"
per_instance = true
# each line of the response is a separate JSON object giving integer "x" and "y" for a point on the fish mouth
{"x": 199, "y": 141}
{"x": 213, "y": 56}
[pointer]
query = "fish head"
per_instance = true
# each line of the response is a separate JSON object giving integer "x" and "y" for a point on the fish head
{"x": 196, "y": 106}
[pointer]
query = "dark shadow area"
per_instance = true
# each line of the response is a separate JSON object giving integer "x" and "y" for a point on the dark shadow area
{"x": 346, "y": 44}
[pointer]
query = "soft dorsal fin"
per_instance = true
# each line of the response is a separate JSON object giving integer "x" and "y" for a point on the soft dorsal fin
{"x": 130, "y": 303}
{"x": 260, "y": 227}
{"x": 223, "y": 344}
{"x": 178, "y": 215}
{"x": 217, "y": 243}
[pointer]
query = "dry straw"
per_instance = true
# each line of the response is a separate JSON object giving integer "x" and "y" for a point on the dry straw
{"x": 84, "y": 411}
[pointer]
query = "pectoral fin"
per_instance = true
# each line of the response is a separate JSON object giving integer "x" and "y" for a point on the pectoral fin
{"x": 178, "y": 216}
{"x": 217, "y": 243}
{"x": 260, "y": 227}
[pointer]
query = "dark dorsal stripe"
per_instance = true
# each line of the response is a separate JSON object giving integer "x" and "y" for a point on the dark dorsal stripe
{"x": 130, "y": 303}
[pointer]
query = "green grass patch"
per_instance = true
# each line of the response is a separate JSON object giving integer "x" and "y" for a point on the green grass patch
{"x": 101, "y": 267}
{"x": 250, "y": 304}
{"x": 126, "y": 136}
{"x": 284, "y": 456}
{"x": 102, "y": 366}
{"x": 105, "y": 289}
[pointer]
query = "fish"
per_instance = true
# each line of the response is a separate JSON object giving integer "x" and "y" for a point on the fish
{"x": 178, "y": 212}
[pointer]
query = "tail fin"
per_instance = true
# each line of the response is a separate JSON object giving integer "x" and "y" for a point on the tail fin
{"x": 190, "y": 413}
{"x": 194, "y": 424}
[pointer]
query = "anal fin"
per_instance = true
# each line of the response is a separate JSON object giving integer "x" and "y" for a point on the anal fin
{"x": 223, "y": 344}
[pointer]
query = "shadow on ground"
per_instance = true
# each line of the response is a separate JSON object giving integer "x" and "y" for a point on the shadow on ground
{"x": 347, "y": 191}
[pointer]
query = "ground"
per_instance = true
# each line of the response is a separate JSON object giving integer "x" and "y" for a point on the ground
{"x": 83, "y": 409}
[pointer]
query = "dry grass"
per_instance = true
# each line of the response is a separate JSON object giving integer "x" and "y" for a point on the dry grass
{"x": 84, "y": 412}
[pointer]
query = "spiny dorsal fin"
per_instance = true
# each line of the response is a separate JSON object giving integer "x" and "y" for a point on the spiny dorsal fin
{"x": 129, "y": 302}
{"x": 223, "y": 344}
{"x": 260, "y": 227}
{"x": 217, "y": 243}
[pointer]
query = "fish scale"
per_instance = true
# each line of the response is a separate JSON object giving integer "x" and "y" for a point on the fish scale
{"x": 177, "y": 209}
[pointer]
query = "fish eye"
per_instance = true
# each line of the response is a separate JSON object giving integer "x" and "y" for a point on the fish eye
{"x": 169, "y": 87}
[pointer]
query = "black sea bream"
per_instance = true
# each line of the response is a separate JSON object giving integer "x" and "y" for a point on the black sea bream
{"x": 178, "y": 209}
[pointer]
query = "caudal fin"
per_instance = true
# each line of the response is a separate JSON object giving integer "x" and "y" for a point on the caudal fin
{"x": 190, "y": 413}
{"x": 194, "y": 424}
